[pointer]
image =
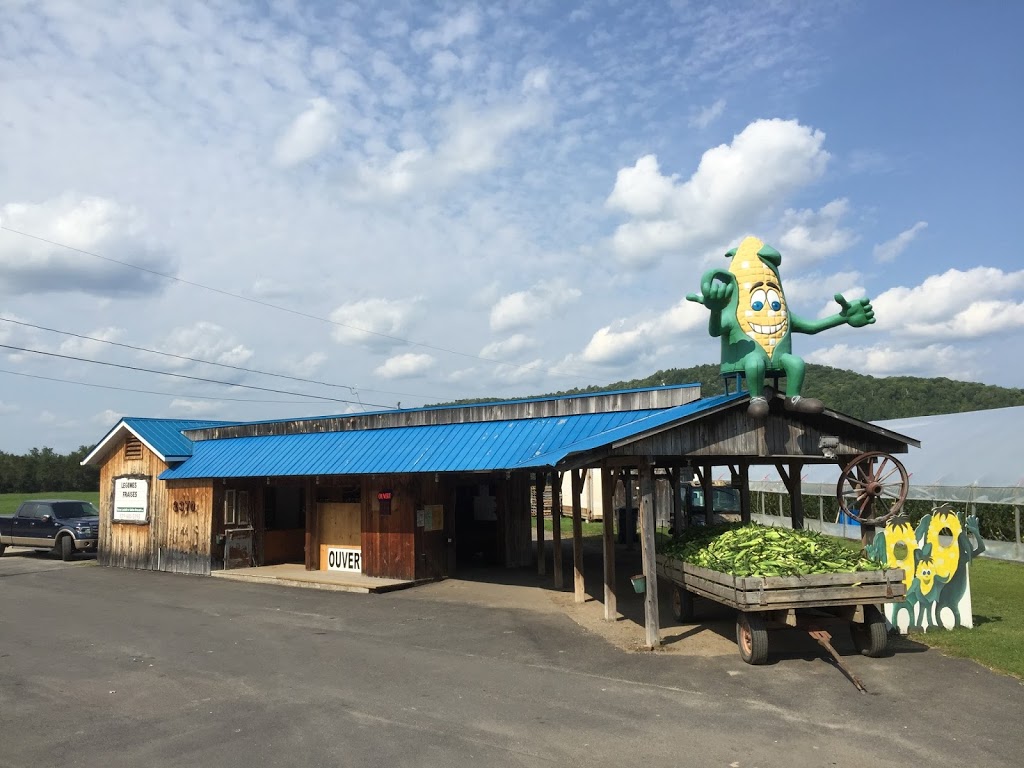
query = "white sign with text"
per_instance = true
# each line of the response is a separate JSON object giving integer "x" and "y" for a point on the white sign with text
{"x": 131, "y": 500}
{"x": 344, "y": 559}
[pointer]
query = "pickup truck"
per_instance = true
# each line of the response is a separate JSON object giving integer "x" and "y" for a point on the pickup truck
{"x": 62, "y": 525}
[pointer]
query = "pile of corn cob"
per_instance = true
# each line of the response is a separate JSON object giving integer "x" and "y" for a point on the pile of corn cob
{"x": 757, "y": 550}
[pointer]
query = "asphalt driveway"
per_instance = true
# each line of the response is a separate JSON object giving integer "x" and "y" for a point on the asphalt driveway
{"x": 107, "y": 667}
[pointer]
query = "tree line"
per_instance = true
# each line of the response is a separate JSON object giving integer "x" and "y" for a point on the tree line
{"x": 42, "y": 470}
{"x": 864, "y": 397}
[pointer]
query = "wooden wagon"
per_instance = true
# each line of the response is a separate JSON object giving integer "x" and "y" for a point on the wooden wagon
{"x": 796, "y": 601}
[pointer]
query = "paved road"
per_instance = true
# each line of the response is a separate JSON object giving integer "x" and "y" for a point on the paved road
{"x": 105, "y": 667}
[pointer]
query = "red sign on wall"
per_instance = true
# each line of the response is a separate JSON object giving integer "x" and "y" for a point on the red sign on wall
{"x": 384, "y": 502}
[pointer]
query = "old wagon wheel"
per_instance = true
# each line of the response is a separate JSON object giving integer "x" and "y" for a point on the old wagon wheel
{"x": 872, "y": 488}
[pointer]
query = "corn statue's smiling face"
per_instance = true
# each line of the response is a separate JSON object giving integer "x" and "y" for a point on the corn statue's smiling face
{"x": 761, "y": 310}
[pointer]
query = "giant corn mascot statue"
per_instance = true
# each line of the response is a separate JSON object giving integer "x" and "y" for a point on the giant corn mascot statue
{"x": 750, "y": 314}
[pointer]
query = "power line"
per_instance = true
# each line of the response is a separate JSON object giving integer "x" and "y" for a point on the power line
{"x": 350, "y": 388}
{"x": 190, "y": 378}
{"x": 149, "y": 391}
{"x": 296, "y": 312}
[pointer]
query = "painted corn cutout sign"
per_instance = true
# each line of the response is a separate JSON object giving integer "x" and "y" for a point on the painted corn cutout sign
{"x": 935, "y": 557}
{"x": 750, "y": 314}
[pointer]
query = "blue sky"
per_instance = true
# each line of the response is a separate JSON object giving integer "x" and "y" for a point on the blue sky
{"x": 469, "y": 200}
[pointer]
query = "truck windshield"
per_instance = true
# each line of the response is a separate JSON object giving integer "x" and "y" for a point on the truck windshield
{"x": 71, "y": 509}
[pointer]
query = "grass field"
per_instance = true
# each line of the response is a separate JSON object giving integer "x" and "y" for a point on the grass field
{"x": 589, "y": 529}
{"x": 9, "y": 501}
{"x": 997, "y": 639}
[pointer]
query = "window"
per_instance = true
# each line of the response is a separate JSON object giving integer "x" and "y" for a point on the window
{"x": 236, "y": 507}
{"x": 132, "y": 449}
{"x": 230, "y": 504}
{"x": 242, "y": 511}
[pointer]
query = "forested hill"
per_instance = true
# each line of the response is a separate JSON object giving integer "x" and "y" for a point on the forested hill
{"x": 864, "y": 397}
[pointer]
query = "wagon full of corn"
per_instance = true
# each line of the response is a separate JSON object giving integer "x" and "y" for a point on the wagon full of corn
{"x": 780, "y": 577}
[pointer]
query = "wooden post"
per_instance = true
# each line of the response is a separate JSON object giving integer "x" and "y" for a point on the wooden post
{"x": 675, "y": 476}
{"x": 580, "y": 595}
{"x": 629, "y": 535}
{"x": 539, "y": 480}
{"x": 608, "y": 495}
{"x": 651, "y": 622}
{"x": 556, "y": 527}
{"x": 709, "y": 494}
{"x": 796, "y": 497}
{"x": 745, "y": 493}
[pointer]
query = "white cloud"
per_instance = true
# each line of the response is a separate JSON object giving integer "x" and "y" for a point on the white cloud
{"x": 203, "y": 340}
{"x": 641, "y": 190}
{"x": 310, "y": 364}
{"x": 9, "y": 407}
{"x": 308, "y": 135}
{"x": 815, "y": 287}
{"x": 374, "y": 323}
{"x": 733, "y": 186}
{"x": 88, "y": 224}
{"x": 405, "y": 366}
{"x": 893, "y": 360}
{"x": 107, "y": 418}
{"x": 87, "y": 348}
{"x": 473, "y": 141}
{"x": 464, "y": 24}
{"x": 196, "y": 407}
{"x": 708, "y": 115}
{"x": 809, "y": 236}
{"x": 627, "y": 341}
{"x": 508, "y": 348}
{"x": 532, "y": 307}
{"x": 537, "y": 79}
{"x": 955, "y": 304}
{"x": 890, "y": 249}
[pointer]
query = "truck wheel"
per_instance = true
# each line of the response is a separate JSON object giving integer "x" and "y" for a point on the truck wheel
{"x": 872, "y": 637}
{"x": 752, "y": 638}
{"x": 682, "y": 604}
{"x": 67, "y": 548}
{"x": 3, "y": 547}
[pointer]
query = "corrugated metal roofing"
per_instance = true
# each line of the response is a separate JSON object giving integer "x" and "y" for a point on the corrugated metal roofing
{"x": 165, "y": 435}
{"x": 478, "y": 446}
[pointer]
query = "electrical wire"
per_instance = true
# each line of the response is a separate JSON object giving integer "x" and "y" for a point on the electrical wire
{"x": 190, "y": 378}
{"x": 350, "y": 388}
{"x": 149, "y": 391}
{"x": 296, "y": 312}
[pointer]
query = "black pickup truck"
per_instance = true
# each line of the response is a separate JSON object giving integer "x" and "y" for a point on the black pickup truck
{"x": 62, "y": 525}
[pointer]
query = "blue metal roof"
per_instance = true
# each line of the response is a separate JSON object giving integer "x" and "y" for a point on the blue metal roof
{"x": 165, "y": 435}
{"x": 472, "y": 447}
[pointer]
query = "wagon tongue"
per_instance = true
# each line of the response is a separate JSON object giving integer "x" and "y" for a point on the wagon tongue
{"x": 825, "y": 641}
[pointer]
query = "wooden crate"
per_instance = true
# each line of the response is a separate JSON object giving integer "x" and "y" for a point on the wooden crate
{"x": 769, "y": 593}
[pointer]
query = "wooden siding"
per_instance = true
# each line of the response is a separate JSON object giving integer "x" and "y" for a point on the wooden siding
{"x": 339, "y": 525}
{"x": 604, "y": 403}
{"x": 389, "y": 540}
{"x": 732, "y": 434}
{"x": 177, "y": 536}
{"x": 514, "y": 513}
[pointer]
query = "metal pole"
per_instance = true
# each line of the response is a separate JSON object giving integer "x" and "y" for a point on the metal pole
{"x": 1016, "y": 522}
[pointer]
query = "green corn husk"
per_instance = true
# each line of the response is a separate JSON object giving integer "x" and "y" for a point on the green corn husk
{"x": 758, "y": 550}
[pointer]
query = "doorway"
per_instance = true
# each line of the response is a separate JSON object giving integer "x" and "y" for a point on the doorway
{"x": 284, "y": 521}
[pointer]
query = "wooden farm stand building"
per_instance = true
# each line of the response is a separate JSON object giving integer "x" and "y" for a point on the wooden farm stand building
{"x": 411, "y": 494}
